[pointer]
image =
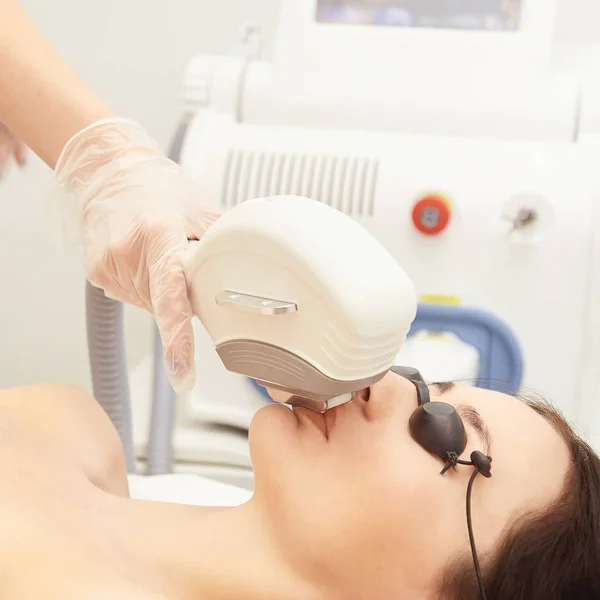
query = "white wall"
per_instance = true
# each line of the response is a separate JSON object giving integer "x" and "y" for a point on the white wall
{"x": 133, "y": 52}
{"x": 578, "y": 21}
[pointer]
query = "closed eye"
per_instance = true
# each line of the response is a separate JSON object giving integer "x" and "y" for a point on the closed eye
{"x": 470, "y": 416}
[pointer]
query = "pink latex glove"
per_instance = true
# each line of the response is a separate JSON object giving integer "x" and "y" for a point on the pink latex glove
{"x": 10, "y": 147}
{"x": 136, "y": 211}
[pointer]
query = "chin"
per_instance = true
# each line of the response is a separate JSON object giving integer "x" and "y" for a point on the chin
{"x": 274, "y": 415}
{"x": 273, "y": 433}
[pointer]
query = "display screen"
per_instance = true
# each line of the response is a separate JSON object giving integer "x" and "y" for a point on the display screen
{"x": 487, "y": 15}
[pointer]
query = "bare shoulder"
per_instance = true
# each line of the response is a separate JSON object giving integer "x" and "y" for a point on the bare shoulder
{"x": 50, "y": 404}
{"x": 70, "y": 419}
{"x": 77, "y": 586}
{"x": 99, "y": 590}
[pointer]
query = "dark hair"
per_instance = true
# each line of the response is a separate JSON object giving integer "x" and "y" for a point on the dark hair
{"x": 549, "y": 555}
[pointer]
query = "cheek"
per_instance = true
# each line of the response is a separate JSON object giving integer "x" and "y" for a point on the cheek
{"x": 358, "y": 521}
{"x": 393, "y": 500}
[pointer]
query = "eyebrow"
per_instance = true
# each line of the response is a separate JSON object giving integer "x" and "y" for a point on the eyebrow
{"x": 470, "y": 415}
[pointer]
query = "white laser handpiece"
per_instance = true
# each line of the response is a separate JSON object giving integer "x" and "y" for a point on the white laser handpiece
{"x": 301, "y": 298}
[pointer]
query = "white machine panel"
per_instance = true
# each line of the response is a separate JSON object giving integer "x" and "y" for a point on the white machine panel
{"x": 506, "y": 107}
{"x": 538, "y": 282}
{"x": 480, "y": 38}
{"x": 452, "y": 68}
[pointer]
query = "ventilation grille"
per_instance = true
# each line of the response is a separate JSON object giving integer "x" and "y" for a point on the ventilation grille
{"x": 347, "y": 183}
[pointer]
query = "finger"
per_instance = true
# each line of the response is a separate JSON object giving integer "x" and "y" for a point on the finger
{"x": 105, "y": 274}
{"x": 173, "y": 315}
{"x": 199, "y": 223}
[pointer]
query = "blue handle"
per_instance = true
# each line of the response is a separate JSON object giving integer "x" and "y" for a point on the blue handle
{"x": 500, "y": 356}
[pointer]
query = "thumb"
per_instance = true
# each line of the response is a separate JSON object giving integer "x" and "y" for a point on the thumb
{"x": 173, "y": 315}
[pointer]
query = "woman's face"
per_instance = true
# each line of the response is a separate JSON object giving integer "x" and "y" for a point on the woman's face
{"x": 357, "y": 504}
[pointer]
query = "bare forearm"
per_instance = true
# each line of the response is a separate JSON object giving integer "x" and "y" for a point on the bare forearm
{"x": 42, "y": 100}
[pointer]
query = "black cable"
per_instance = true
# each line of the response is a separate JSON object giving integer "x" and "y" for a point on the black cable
{"x": 471, "y": 536}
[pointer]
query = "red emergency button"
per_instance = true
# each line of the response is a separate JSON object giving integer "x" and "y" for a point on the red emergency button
{"x": 431, "y": 214}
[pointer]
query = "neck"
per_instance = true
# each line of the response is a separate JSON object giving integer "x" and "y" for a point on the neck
{"x": 211, "y": 553}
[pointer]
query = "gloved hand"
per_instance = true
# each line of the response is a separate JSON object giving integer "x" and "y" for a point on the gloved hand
{"x": 10, "y": 147}
{"x": 136, "y": 211}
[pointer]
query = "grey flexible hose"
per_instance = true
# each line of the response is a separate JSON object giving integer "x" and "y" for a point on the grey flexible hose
{"x": 108, "y": 363}
{"x": 162, "y": 418}
{"x": 110, "y": 378}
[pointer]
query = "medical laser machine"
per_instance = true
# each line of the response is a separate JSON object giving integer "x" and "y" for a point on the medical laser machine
{"x": 451, "y": 140}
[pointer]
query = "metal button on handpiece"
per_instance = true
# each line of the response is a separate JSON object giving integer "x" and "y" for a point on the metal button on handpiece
{"x": 254, "y": 304}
